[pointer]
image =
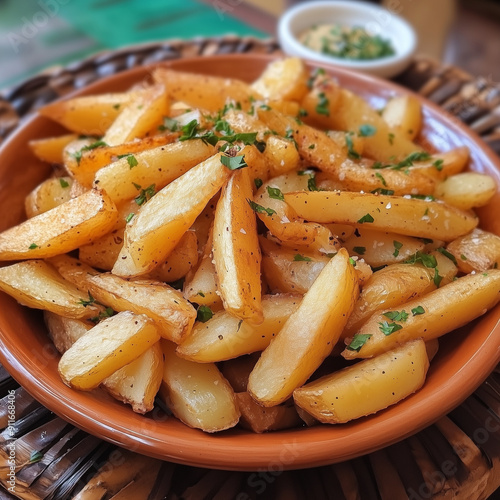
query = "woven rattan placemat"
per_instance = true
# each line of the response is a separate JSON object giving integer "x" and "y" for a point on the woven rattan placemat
{"x": 457, "y": 457}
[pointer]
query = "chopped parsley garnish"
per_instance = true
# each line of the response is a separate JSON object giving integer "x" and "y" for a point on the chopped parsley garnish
{"x": 116, "y": 106}
{"x": 189, "y": 130}
{"x": 322, "y": 106}
{"x": 388, "y": 328}
{"x": 407, "y": 162}
{"x": 275, "y": 193}
{"x": 77, "y": 155}
{"x": 351, "y": 152}
{"x": 397, "y": 247}
{"x": 352, "y": 262}
{"x": 303, "y": 112}
{"x": 33, "y": 246}
{"x": 425, "y": 197}
{"x": 311, "y": 183}
{"x": 315, "y": 74}
{"x": 289, "y": 135}
{"x": 204, "y": 313}
{"x": 417, "y": 310}
{"x": 223, "y": 126}
{"x": 63, "y": 182}
{"x": 259, "y": 209}
{"x": 424, "y": 258}
{"x": 358, "y": 341}
{"x": 367, "y": 130}
{"x": 86, "y": 303}
{"x": 301, "y": 258}
{"x": 388, "y": 192}
{"x": 437, "y": 278}
{"x": 400, "y": 316}
{"x": 366, "y": 218}
{"x": 311, "y": 146}
{"x": 201, "y": 294}
{"x": 145, "y": 194}
{"x": 233, "y": 162}
{"x": 438, "y": 164}
{"x": 107, "y": 313}
{"x": 391, "y": 138}
{"x": 129, "y": 217}
{"x": 360, "y": 250}
{"x": 132, "y": 161}
{"x": 379, "y": 176}
{"x": 447, "y": 254}
{"x": 265, "y": 107}
{"x": 463, "y": 257}
{"x": 258, "y": 182}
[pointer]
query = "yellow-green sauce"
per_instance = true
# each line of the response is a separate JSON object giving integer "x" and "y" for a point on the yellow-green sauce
{"x": 346, "y": 42}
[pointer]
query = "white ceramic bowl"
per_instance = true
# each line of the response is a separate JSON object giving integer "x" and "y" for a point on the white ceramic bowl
{"x": 375, "y": 19}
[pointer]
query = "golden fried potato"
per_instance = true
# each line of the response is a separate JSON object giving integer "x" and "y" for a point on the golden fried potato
{"x": 404, "y": 114}
{"x": 308, "y": 336}
{"x": 109, "y": 346}
{"x": 366, "y": 387}
{"x": 51, "y": 149}
{"x": 64, "y": 332}
{"x": 48, "y": 195}
{"x": 61, "y": 229}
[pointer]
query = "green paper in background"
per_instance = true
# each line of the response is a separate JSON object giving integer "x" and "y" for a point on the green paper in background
{"x": 36, "y": 34}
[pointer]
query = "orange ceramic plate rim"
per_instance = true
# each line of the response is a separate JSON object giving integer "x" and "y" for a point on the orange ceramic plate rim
{"x": 30, "y": 357}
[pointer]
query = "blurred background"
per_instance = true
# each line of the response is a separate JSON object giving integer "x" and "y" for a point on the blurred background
{"x": 37, "y": 34}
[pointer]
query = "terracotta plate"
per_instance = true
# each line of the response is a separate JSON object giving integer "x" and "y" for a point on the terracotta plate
{"x": 464, "y": 361}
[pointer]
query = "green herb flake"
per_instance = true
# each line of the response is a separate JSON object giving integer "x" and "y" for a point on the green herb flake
{"x": 259, "y": 209}
{"x": 379, "y": 176}
{"x": 331, "y": 255}
{"x": 311, "y": 146}
{"x": 389, "y": 328}
{"x": 423, "y": 258}
{"x": 63, "y": 182}
{"x": 145, "y": 194}
{"x": 397, "y": 247}
{"x": 416, "y": 156}
{"x": 311, "y": 183}
{"x": 437, "y": 277}
{"x": 33, "y": 246}
{"x": 360, "y": 250}
{"x": 352, "y": 262}
{"x": 189, "y": 130}
{"x": 201, "y": 294}
{"x": 400, "y": 316}
{"x": 301, "y": 258}
{"x": 129, "y": 217}
{"x": 463, "y": 257}
{"x": 116, "y": 106}
{"x": 388, "y": 192}
{"x": 438, "y": 165}
{"x": 265, "y": 107}
{"x": 391, "y": 138}
{"x": 86, "y": 303}
{"x": 275, "y": 193}
{"x": 447, "y": 254}
{"x": 358, "y": 341}
{"x": 417, "y": 310}
{"x": 351, "y": 152}
{"x": 258, "y": 182}
{"x": 132, "y": 161}
{"x": 233, "y": 162}
{"x": 322, "y": 106}
{"x": 366, "y": 218}
{"x": 204, "y": 313}
{"x": 367, "y": 130}
{"x": 303, "y": 112}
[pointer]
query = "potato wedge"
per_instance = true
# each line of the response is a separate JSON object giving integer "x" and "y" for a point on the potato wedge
{"x": 444, "y": 310}
{"x": 168, "y": 216}
{"x": 389, "y": 288}
{"x": 158, "y": 167}
{"x": 138, "y": 382}
{"x": 467, "y": 190}
{"x": 477, "y": 251}
{"x": 197, "y": 394}
{"x": 379, "y": 248}
{"x": 309, "y": 334}
{"x": 109, "y": 346}
{"x": 61, "y": 229}
{"x": 404, "y": 114}
{"x": 283, "y": 80}
{"x": 236, "y": 250}
{"x": 36, "y": 284}
{"x": 87, "y": 115}
{"x": 51, "y": 148}
{"x": 48, "y": 195}
{"x": 366, "y": 387}
{"x": 64, "y": 332}
{"x": 145, "y": 111}
{"x": 261, "y": 419}
{"x": 411, "y": 217}
{"x": 224, "y": 336}
{"x": 442, "y": 165}
{"x": 320, "y": 102}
